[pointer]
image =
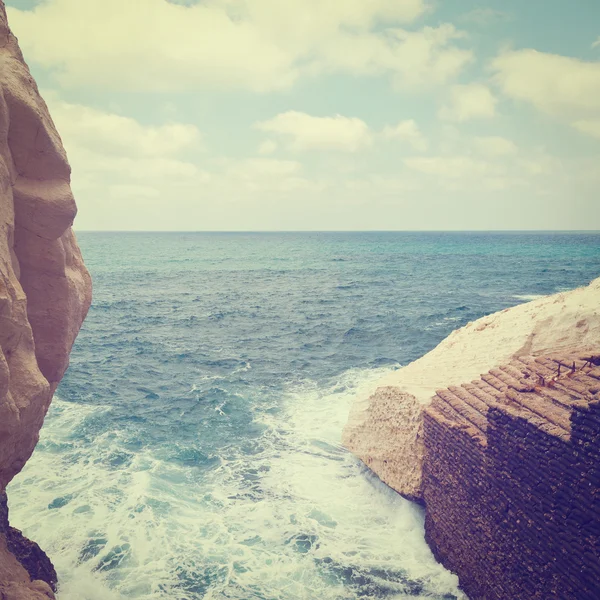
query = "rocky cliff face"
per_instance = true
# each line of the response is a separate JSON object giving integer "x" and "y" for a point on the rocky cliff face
{"x": 45, "y": 290}
{"x": 385, "y": 430}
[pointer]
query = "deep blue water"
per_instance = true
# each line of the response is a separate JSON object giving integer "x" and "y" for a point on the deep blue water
{"x": 193, "y": 447}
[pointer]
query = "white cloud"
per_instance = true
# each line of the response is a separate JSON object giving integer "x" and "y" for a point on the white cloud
{"x": 413, "y": 58}
{"x": 261, "y": 45}
{"x": 155, "y": 47}
{"x": 375, "y": 185}
{"x": 470, "y": 101}
{"x": 539, "y": 165}
{"x": 305, "y": 132}
{"x": 451, "y": 167}
{"x": 127, "y": 191}
{"x": 470, "y": 174}
{"x": 495, "y": 146}
{"x": 485, "y": 16}
{"x": 107, "y": 148}
{"x": 86, "y": 162}
{"x": 253, "y": 168}
{"x": 596, "y": 43}
{"x": 261, "y": 176}
{"x": 267, "y": 147}
{"x": 297, "y": 21}
{"x": 563, "y": 87}
{"x": 407, "y": 131}
{"x": 588, "y": 126}
{"x": 111, "y": 133}
{"x": 557, "y": 85}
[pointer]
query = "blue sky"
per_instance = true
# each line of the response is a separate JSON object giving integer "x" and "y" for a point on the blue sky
{"x": 323, "y": 114}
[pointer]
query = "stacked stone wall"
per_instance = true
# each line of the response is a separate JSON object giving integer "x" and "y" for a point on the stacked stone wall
{"x": 512, "y": 481}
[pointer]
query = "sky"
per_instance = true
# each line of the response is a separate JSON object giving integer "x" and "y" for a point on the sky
{"x": 230, "y": 115}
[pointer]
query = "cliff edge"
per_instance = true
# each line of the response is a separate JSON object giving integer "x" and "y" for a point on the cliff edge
{"x": 385, "y": 429}
{"x": 45, "y": 292}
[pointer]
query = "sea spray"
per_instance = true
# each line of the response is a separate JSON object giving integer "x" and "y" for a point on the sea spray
{"x": 295, "y": 517}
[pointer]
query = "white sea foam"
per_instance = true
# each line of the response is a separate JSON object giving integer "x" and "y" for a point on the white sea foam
{"x": 299, "y": 519}
{"x": 528, "y": 297}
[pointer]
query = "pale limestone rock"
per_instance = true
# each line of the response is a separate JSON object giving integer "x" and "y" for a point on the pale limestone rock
{"x": 45, "y": 290}
{"x": 384, "y": 428}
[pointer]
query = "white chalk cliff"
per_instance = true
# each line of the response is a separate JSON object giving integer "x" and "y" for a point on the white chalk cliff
{"x": 45, "y": 289}
{"x": 384, "y": 429}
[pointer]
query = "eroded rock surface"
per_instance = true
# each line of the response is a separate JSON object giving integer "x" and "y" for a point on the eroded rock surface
{"x": 385, "y": 429}
{"x": 45, "y": 290}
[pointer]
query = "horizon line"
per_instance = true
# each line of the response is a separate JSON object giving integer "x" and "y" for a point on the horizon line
{"x": 336, "y": 230}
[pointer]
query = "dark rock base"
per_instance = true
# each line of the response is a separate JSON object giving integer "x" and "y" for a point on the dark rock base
{"x": 28, "y": 553}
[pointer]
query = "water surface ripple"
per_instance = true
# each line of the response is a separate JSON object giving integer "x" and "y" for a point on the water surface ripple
{"x": 193, "y": 447}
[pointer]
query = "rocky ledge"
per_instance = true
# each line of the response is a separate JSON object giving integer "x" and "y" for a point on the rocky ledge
{"x": 45, "y": 292}
{"x": 385, "y": 427}
{"x": 506, "y": 463}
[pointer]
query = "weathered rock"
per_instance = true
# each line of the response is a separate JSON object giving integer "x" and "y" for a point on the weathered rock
{"x": 385, "y": 429}
{"x": 511, "y": 480}
{"x": 45, "y": 291}
{"x": 28, "y": 553}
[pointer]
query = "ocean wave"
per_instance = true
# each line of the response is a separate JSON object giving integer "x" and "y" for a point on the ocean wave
{"x": 290, "y": 515}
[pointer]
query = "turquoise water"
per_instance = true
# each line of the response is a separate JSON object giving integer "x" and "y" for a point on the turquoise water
{"x": 193, "y": 451}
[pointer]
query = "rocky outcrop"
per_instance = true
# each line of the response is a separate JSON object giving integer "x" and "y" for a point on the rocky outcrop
{"x": 385, "y": 429}
{"x": 31, "y": 557}
{"x": 511, "y": 479}
{"x": 45, "y": 290}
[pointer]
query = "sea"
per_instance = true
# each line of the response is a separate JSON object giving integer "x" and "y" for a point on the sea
{"x": 193, "y": 450}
